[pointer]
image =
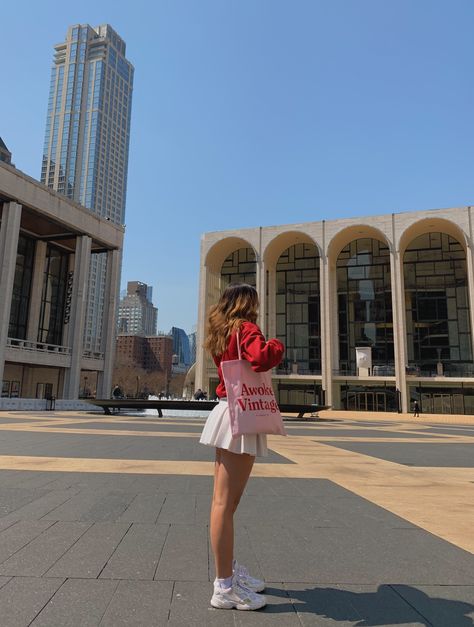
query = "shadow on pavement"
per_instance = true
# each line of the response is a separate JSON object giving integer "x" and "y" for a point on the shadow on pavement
{"x": 388, "y": 605}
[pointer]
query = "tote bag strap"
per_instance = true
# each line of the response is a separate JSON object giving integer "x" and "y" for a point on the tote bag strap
{"x": 238, "y": 345}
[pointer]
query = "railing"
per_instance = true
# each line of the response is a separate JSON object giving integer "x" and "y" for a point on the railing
{"x": 92, "y": 354}
{"x": 298, "y": 370}
{"x": 344, "y": 372}
{"x": 448, "y": 370}
{"x": 43, "y": 347}
{"x": 377, "y": 371}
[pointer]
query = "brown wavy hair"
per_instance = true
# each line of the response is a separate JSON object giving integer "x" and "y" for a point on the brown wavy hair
{"x": 238, "y": 303}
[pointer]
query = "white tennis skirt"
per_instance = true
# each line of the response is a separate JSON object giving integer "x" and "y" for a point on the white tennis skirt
{"x": 217, "y": 432}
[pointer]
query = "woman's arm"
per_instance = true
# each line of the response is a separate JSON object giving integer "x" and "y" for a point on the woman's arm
{"x": 261, "y": 354}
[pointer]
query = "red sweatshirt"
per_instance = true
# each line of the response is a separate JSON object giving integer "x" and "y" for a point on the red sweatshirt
{"x": 262, "y": 355}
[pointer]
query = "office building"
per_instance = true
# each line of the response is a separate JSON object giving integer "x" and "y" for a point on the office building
{"x": 46, "y": 245}
{"x": 192, "y": 347}
{"x": 137, "y": 315}
{"x": 181, "y": 352}
{"x": 5, "y": 154}
{"x": 375, "y": 312}
{"x": 152, "y": 353}
{"x": 87, "y": 138}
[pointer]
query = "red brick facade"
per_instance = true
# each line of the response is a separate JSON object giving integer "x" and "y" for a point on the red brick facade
{"x": 152, "y": 352}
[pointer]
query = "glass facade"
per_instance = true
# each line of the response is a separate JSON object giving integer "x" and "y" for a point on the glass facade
{"x": 87, "y": 138}
{"x": 365, "y": 304}
{"x": 301, "y": 393}
{"x": 239, "y": 267}
{"x": 21, "y": 288}
{"x": 443, "y": 400}
{"x": 437, "y": 306}
{"x": 53, "y": 297}
{"x": 370, "y": 398}
{"x": 298, "y": 319}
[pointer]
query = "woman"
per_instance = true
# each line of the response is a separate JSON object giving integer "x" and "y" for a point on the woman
{"x": 232, "y": 319}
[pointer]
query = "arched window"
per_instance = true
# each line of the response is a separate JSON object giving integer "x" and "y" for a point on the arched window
{"x": 437, "y": 305}
{"x": 365, "y": 304}
{"x": 298, "y": 309}
{"x": 239, "y": 267}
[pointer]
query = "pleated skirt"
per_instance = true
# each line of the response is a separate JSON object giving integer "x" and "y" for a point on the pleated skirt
{"x": 217, "y": 432}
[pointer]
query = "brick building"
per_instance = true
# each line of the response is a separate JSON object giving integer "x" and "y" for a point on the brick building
{"x": 152, "y": 352}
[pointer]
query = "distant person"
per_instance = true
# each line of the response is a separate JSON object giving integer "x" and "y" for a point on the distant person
{"x": 199, "y": 395}
{"x": 117, "y": 393}
{"x": 416, "y": 410}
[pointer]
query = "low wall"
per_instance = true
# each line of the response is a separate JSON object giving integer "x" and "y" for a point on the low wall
{"x": 39, "y": 404}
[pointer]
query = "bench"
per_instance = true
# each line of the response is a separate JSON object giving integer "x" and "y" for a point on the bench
{"x": 160, "y": 405}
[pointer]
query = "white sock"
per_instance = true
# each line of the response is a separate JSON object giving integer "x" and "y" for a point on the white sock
{"x": 224, "y": 583}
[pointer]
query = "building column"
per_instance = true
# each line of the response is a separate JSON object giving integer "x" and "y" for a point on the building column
{"x": 470, "y": 289}
{"x": 82, "y": 258}
{"x": 9, "y": 234}
{"x": 112, "y": 287}
{"x": 270, "y": 330}
{"x": 37, "y": 283}
{"x": 399, "y": 326}
{"x": 325, "y": 313}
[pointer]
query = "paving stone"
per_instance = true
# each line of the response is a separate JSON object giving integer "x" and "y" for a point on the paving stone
{"x": 40, "y": 554}
{"x": 138, "y": 554}
{"x": 454, "y": 455}
{"x": 442, "y": 606}
{"x": 200, "y": 485}
{"x": 88, "y": 556}
{"x": 4, "y": 581}
{"x": 41, "y": 506}
{"x": 14, "y": 498}
{"x": 185, "y": 555}
{"x": 23, "y": 597}
{"x": 278, "y": 611}
{"x": 144, "y": 508}
{"x": 190, "y": 607}
{"x": 178, "y": 508}
{"x": 18, "y": 535}
{"x": 351, "y": 606}
{"x": 95, "y": 505}
{"x": 359, "y": 556}
{"x": 139, "y": 603}
{"x": 79, "y": 602}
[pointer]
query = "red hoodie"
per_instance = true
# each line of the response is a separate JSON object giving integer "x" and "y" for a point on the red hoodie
{"x": 262, "y": 355}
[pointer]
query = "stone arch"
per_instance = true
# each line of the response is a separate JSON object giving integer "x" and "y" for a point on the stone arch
{"x": 281, "y": 242}
{"x": 219, "y": 252}
{"x": 431, "y": 225}
{"x": 350, "y": 233}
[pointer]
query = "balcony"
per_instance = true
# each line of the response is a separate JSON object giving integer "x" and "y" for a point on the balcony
{"x": 38, "y": 353}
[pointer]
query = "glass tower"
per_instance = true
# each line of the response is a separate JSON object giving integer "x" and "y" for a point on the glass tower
{"x": 87, "y": 137}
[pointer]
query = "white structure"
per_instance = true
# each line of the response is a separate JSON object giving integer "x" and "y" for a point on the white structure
{"x": 87, "y": 138}
{"x": 46, "y": 244}
{"x": 401, "y": 284}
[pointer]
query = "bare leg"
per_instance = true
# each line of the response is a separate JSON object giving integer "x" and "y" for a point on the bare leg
{"x": 231, "y": 475}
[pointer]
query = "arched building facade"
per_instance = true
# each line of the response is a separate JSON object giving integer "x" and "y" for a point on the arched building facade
{"x": 398, "y": 286}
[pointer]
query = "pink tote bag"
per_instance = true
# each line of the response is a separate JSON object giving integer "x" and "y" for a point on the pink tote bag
{"x": 252, "y": 405}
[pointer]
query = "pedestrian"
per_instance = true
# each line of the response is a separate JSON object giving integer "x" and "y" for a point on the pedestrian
{"x": 117, "y": 392}
{"x": 232, "y": 319}
{"x": 416, "y": 410}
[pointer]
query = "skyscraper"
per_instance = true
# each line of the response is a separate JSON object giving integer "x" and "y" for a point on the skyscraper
{"x": 87, "y": 137}
{"x": 137, "y": 315}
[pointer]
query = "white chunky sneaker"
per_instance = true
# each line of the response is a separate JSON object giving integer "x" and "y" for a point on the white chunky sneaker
{"x": 246, "y": 579}
{"x": 237, "y": 596}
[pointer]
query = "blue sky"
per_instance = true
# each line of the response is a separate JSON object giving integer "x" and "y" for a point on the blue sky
{"x": 258, "y": 112}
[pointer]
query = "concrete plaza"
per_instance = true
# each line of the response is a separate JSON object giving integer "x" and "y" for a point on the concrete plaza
{"x": 353, "y": 522}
